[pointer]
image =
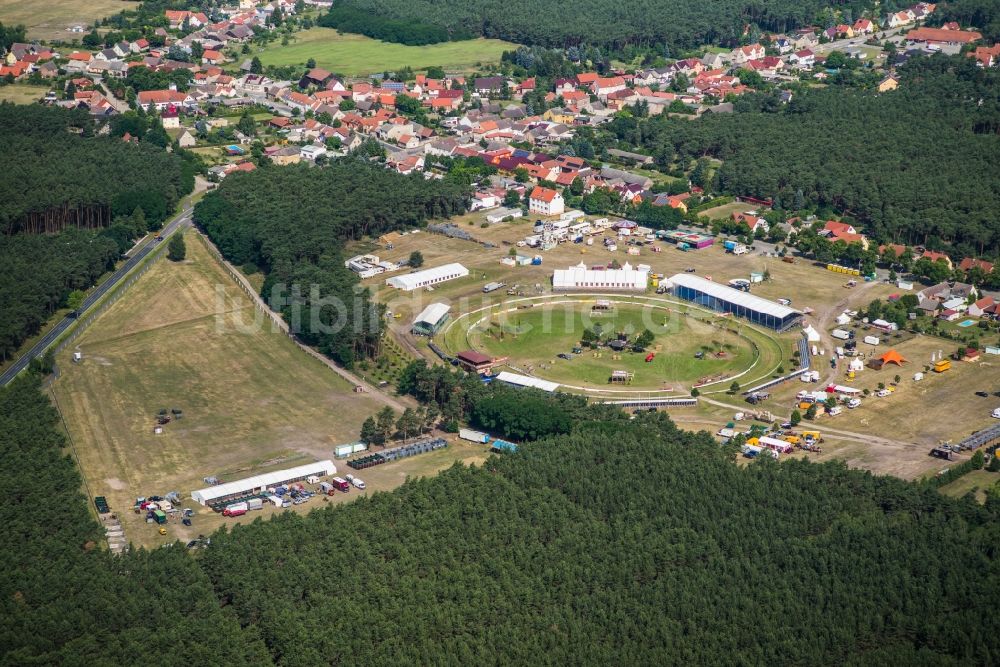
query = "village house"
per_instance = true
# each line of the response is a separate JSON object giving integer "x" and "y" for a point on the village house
{"x": 803, "y": 59}
{"x": 890, "y": 82}
{"x": 753, "y": 222}
{"x": 841, "y": 231}
{"x": 545, "y": 201}
{"x": 983, "y": 307}
{"x": 970, "y": 263}
{"x": 987, "y": 56}
{"x": 488, "y": 85}
{"x": 936, "y": 257}
{"x": 744, "y": 54}
{"x": 178, "y": 18}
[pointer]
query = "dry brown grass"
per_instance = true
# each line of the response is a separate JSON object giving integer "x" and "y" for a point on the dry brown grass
{"x": 250, "y": 400}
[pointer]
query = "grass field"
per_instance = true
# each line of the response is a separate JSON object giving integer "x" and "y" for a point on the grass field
{"x": 22, "y": 93}
{"x": 250, "y": 400}
{"x": 532, "y": 338}
{"x": 978, "y": 480}
{"x": 49, "y": 20}
{"x": 352, "y": 55}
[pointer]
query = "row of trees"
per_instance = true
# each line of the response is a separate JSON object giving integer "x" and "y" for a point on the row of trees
{"x": 293, "y": 222}
{"x": 563, "y": 23}
{"x": 916, "y": 166}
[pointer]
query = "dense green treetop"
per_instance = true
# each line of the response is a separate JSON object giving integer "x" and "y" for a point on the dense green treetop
{"x": 917, "y": 165}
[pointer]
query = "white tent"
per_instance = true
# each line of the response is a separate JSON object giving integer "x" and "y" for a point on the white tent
{"x": 811, "y": 334}
{"x": 580, "y": 277}
{"x": 856, "y": 364}
{"x": 843, "y": 318}
{"x": 438, "y": 274}
{"x": 526, "y": 381}
{"x": 261, "y": 482}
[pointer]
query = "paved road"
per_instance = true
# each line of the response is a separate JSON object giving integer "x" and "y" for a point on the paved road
{"x": 182, "y": 219}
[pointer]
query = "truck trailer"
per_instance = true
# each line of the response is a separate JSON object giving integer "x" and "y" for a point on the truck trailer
{"x": 473, "y": 436}
{"x": 236, "y": 509}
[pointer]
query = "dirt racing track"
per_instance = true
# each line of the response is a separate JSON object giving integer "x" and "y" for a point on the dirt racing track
{"x": 767, "y": 351}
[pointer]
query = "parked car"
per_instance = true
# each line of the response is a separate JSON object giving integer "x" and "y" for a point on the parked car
{"x": 984, "y": 394}
{"x": 563, "y": 355}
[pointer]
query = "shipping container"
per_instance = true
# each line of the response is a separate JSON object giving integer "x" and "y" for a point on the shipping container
{"x": 255, "y": 504}
{"x": 160, "y": 516}
{"x": 841, "y": 334}
{"x": 872, "y": 340}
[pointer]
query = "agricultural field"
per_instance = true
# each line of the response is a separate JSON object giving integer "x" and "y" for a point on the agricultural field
{"x": 355, "y": 55}
{"x": 18, "y": 93}
{"x": 49, "y": 20}
{"x": 251, "y": 400}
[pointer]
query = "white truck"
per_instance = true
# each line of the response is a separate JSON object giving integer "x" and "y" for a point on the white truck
{"x": 841, "y": 334}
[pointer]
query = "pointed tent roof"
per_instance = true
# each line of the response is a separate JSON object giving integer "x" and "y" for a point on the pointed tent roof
{"x": 893, "y": 357}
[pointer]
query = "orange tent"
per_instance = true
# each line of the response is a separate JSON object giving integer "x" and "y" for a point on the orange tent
{"x": 892, "y": 357}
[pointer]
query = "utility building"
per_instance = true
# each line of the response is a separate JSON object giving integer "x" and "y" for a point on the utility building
{"x": 725, "y": 299}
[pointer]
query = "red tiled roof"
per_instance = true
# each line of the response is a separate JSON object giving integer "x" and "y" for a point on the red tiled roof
{"x": 544, "y": 194}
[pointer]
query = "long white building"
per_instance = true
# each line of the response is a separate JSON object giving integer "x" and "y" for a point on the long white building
{"x": 427, "y": 277}
{"x": 579, "y": 277}
{"x": 257, "y": 483}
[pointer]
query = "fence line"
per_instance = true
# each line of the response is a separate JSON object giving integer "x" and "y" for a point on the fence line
{"x": 283, "y": 326}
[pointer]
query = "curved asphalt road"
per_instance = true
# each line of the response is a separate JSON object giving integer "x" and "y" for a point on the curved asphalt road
{"x": 39, "y": 348}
